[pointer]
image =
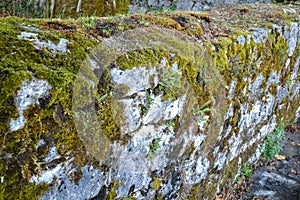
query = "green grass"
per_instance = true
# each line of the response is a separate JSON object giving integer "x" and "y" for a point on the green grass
{"x": 88, "y": 22}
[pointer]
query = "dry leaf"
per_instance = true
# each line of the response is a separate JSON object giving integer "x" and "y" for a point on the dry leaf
{"x": 297, "y": 163}
{"x": 293, "y": 143}
{"x": 219, "y": 196}
{"x": 293, "y": 128}
{"x": 280, "y": 157}
{"x": 294, "y": 171}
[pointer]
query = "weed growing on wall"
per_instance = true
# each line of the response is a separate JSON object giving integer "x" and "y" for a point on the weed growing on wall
{"x": 154, "y": 146}
{"x": 200, "y": 111}
{"x": 169, "y": 81}
{"x": 144, "y": 110}
{"x": 245, "y": 171}
{"x": 271, "y": 146}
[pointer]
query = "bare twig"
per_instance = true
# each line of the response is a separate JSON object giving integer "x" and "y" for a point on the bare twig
{"x": 52, "y": 8}
{"x": 78, "y": 6}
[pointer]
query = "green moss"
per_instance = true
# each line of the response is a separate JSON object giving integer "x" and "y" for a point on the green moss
{"x": 112, "y": 191}
{"x": 51, "y": 119}
{"x": 237, "y": 61}
{"x": 191, "y": 64}
{"x": 238, "y": 32}
{"x": 146, "y": 57}
{"x": 65, "y": 9}
{"x": 156, "y": 183}
{"x": 163, "y": 21}
{"x": 230, "y": 171}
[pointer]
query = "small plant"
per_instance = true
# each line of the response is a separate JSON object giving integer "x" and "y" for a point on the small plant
{"x": 122, "y": 25}
{"x": 271, "y": 146}
{"x": 144, "y": 110}
{"x": 145, "y": 22}
{"x": 106, "y": 32}
{"x": 101, "y": 98}
{"x": 171, "y": 124}
{"x": 154, "y": 145}
{"x": 201, "y": 110}
{"x": 88, "y": 22}
{"x": 149, "y": 100}
{"x": 61, "y": 15}
{"x": 169, "y": 81}
{"x": 201, "y": 79}
{"x": 173, "y": 6}
{"x": 245, "y": 171}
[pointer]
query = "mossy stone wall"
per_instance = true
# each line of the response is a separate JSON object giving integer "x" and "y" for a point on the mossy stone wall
{"x": 246, "y": 82}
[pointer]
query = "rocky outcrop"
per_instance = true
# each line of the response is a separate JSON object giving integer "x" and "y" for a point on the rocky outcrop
{"x": 160, "y": 106}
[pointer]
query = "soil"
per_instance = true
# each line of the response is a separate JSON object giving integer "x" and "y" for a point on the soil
{"x": 276, "y": 179}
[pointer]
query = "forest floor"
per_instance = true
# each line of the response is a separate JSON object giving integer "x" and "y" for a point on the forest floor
{"x": 276, "y": 179}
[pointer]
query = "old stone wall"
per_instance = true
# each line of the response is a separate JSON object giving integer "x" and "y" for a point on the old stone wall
{"x": 146, "y": 106}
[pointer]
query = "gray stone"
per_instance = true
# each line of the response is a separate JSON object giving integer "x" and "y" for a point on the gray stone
{"x": 61, "y": 47}
{"x": 144, "y": 6}
{"x": 30, "y": 93}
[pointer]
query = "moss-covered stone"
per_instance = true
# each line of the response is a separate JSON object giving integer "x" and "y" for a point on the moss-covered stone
{"x": 53, "y": 119}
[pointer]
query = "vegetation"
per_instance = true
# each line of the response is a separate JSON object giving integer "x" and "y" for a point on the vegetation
{"x": 52, "y": 120}
{"x": 144, "y": 110}
{"x": 21, "y": 61}
{"x": 22, "y": 8}
{"x": 62, "y": 9}
{"x": 101, "y": 98}
{"x": 171, "y": 124}
{"x": 88, "y": 22}
{"x": 271, "y": 145}
{"x": 245, "y": 170}
{"x": 173, "y": 7}
{"x": 154, "y": 146}
{"x": 170, "y": 81}
{"x": 199, "y": 111}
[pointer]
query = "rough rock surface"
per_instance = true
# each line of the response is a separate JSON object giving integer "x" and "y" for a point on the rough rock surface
{"x": 75, "y": 8}
{"x": 160, "y": 106}
{"x": 144, "y": 6}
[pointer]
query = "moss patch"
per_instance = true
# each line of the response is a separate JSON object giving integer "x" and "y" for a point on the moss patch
{"x": 51, "y": 120}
